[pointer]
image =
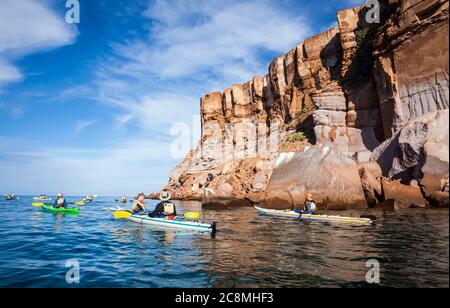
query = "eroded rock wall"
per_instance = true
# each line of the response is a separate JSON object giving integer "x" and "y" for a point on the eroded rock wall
{"x": 348, "y": 90}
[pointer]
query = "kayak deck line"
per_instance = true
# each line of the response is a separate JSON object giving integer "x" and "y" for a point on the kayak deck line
{"x": 327, "y": 218}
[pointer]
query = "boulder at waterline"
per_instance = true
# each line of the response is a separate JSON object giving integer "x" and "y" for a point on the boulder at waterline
{"x": 332, "y": 177}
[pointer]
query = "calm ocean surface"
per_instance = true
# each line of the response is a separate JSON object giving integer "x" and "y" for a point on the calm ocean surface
{"x": 249, "y": 250}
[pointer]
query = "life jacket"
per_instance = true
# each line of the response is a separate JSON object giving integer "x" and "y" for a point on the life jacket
{"x": 310, "y": 206}
{"x": 169, "y": 209}
{"x": 60, "y": 202}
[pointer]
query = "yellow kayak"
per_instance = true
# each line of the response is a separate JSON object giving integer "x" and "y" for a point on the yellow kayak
{"x": 324, "y": 218}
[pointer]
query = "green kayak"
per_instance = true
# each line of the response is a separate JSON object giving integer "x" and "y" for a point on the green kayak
{"x": 61, "y": 210}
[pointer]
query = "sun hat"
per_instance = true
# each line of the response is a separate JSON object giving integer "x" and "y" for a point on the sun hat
{"x": 165, "y": 196}
{"x": 308, "y": 197}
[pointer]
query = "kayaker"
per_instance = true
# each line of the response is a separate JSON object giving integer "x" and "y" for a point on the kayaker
{"x": 309, "y": 207}
{"x": 89, "y": 198}
{"x": 60, "y": 201}
{"x": 165, "y": 208}
{"x": 138, "y": 205}
{"x": 124, "y": 199}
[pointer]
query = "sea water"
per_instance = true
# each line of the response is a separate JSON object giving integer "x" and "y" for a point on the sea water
{"x": 41, "y": 249}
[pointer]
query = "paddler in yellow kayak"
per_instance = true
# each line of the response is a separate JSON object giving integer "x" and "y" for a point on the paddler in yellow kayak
{"x": 60, "y": 201}
{"x": 309, "y": 207}
{"x": 165, "y": 208}
{"x": 138, "y": 205}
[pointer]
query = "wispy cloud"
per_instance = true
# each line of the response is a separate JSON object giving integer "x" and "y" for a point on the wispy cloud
{"x": 125, "y": 168}
{"x": 192, "y": 48}
{"x": 82, "y": 125}
{"x": 205, "y": 37}
{"x": 28, "y": 26}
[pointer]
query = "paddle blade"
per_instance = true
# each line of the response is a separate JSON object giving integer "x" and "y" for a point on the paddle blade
{"x": 192, "y": 215}
{"x": 37, "y": 204}
{"x": 81, "y": 203}
{"x": 122, "y": 214}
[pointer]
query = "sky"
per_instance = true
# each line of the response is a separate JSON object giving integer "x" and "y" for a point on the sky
{"x": 90, "y": 107}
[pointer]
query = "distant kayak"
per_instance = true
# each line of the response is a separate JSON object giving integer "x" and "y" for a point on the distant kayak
{"x": 61, "y": 210}
{"x": 42, "y": 199}
{"x": 323, "y": 218}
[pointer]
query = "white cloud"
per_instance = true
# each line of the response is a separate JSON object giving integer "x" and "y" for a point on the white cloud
{"x": 127, "y": 167}
{"x": 206, "y": 37}
{"x": 190, "y": 49}
{"x": 28, "y": 26}
{"x": 82, "y": 125}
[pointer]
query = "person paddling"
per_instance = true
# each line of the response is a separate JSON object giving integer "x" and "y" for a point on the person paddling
{"x": 309, "y": 207}
{"x": 60, "y": 201}
{"x": 165, "y": 208}
{"x": 138, "y": 205}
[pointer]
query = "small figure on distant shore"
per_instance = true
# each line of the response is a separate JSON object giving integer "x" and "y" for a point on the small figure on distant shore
{"x": 138, "y": 205}
{"x": 60, "y": 201}
{"x": 165, "y": 208}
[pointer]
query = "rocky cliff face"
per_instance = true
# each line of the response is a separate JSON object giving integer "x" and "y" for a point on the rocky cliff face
{"x": 340, "y": 115}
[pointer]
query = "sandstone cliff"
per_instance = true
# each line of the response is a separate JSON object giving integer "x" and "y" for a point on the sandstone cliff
{"x": 351, "y": 115}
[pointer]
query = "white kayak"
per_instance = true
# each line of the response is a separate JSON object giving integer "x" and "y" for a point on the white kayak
{"x": 179, "y": 223}
{"x": 324, "y": 218}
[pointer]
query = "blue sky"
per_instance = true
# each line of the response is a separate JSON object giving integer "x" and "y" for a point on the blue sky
{"x": 88, "y": 108}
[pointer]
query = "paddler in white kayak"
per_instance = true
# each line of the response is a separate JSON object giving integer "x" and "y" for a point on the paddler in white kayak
{"x": 165, "y": 208}
{"x": 138, "y": 205}
{"x": 60, "y": 201}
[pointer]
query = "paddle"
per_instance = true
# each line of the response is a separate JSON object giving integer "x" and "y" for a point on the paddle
{"x": 37, "y": 204}
{"x": 122, "y": 214}
{"x": 79, "y": 203}
{"x": 192, "y": 215}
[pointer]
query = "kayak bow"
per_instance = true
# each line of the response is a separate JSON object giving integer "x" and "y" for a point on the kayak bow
{"x": 323, "y": 218}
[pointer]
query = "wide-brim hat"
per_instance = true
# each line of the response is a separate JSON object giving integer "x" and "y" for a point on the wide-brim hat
{"x": 165, "y": 196}
{"x": 309, "y": 197}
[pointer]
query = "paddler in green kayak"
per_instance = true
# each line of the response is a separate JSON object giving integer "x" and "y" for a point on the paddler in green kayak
{"x": 165, "y": 208}
{"x": 138, "y": 205}
{"x": 60, "y": 201}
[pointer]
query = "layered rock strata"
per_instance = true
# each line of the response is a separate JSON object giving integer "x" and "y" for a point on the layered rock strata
{"x": 362, "y": 106}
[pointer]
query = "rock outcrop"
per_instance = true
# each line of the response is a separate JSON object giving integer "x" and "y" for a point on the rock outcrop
{"x": 330, "y": 175}
{"x": 327, "y": 112}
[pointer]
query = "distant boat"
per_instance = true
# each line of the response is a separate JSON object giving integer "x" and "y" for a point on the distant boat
{"x": 42, "y": 198}
{"x": 10, "y": 197}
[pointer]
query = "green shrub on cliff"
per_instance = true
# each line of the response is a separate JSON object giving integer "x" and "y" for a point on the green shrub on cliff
{"x": 298, "y": 137}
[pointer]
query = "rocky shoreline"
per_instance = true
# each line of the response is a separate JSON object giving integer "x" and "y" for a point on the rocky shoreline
{"x": 357, "y": 115}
